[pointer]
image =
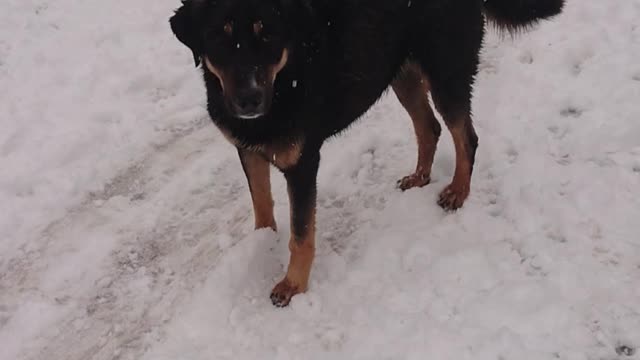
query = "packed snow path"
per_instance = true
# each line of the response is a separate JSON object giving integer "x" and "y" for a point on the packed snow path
{"x": 126, "y": 225}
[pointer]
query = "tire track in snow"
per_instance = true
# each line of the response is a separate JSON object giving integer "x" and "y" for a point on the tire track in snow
{"x": 16, "y": 272}
{"x": 160, "y": 226}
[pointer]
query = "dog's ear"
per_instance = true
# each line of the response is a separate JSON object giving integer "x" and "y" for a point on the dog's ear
{"x": 186, "y": 25}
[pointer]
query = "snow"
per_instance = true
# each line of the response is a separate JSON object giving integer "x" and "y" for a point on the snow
{"x": 126, "y": 225}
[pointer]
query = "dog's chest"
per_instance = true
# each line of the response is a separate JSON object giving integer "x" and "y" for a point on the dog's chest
{"x": 282, "y": 156}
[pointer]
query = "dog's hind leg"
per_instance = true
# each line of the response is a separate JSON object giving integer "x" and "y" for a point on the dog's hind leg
{"x": 450, "y": 60}
{"x": 412, "y": 89}
{"x": 257, "y": 170}
{"x": 452, "y": 98}
{"x": 466, "y": 143}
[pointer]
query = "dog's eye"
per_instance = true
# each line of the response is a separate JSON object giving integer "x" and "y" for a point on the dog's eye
{"x": 228, "y": 28}
{"x": 257, "y": 27}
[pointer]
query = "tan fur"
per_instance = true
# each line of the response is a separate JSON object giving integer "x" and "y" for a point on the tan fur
{"x": 412, "y": 89}
{"x": 228, "y": 28}
{"x": 258, "y": 174}
{"x": 462, "y": 175}
{"x": 272, "y": 71}
{"x": 302, "y": 254}
{"x": 283, "y": 156}
{"x": 454, "y": 195}
{"x": 300, "y": 261}
{"x": 215, "y": 71}
{"x": 275, "y": 69}
{"x": 257, "y": 27}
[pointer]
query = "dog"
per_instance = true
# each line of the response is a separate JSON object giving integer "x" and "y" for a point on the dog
{"x": 282, "y": 76}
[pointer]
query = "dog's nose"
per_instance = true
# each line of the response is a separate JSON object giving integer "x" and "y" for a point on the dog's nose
{"x": 250, "y": 102}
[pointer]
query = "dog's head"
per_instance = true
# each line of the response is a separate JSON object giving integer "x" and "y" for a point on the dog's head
{"x": 243, "y": 43}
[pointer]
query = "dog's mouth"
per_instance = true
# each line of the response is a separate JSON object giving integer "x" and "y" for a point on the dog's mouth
{"x": 249, "y": 116}
{"x": 245, "y": 115}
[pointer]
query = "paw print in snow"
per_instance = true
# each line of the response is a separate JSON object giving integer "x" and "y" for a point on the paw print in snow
{"x": 572, "y": 112}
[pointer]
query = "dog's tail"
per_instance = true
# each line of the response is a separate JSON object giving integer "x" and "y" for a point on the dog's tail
{"x": 515, "y": 15}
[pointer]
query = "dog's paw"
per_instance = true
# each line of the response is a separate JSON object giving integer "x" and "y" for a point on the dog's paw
{"x": 271, "y": 224}
{"x": 453, "y": 197}
{"x": 414, "y": 180}
{"x": 283, "y": 292}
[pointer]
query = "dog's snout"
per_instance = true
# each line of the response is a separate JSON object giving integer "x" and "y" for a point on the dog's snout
{"x": 250, "y": 103}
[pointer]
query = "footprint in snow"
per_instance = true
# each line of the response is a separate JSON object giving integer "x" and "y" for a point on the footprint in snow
{"x": 564, "y": 159}
{"x": 526, "y": 57}
{"x": 576, "y": 69}
{"x": 557, "y": 132}
{"x": 512, "y": 155}
{"x": 571, "y": 111}
{"x": 625, "y": 350}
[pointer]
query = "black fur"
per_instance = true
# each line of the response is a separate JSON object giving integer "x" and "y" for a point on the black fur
{"x": 341, "y": 55}
{"x": 345, "y": 53}
{"x": 514, "y": 15}
{"x": 301, "y": 183}
{"x": 186, "y": 25}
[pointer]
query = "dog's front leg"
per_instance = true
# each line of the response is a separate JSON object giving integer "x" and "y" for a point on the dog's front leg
{"x": 257, "y": 170}
{"x": 301, "y": 184}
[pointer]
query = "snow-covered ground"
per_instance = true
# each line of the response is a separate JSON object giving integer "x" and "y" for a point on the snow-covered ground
{"x": 126, "y": 225}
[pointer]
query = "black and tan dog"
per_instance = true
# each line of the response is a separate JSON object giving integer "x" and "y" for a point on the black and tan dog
{"x": 282, "y": 76}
